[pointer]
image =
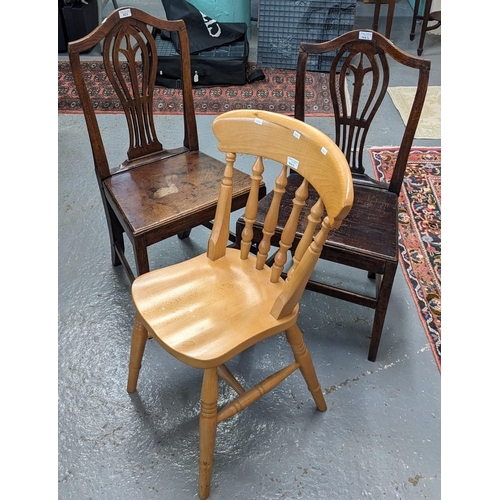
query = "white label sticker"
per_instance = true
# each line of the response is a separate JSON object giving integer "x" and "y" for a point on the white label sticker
{"x": 258, "y": 121}
{"x": 365, "y": 35}
{"x": 124, "y": 13}
{"x": 324, "y": 150}
{"x": 296, "y": 134}
{"x": 292, "y": 162}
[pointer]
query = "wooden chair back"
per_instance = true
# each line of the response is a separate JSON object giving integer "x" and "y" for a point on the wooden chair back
{"x": 285, "y": 144}
{"x": 130, "y": 60}
{"x": 365, "y": 57}
{"x": 152, "y": 193}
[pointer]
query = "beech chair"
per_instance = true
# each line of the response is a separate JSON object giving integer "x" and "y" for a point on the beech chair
{"x": 155, "y": 193}
{"x": 368, "y": 237}
{"x": 206, "y": 310}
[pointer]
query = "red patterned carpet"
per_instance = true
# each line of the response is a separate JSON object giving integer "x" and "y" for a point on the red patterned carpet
{"x": 275, "y": 93}
{"x": 420, "y": 232}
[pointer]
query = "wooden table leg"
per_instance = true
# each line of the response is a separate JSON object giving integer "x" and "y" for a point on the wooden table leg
{"x": 376, "y": 15}
{"x": 390, "y": 16}
{"x": 414, "y": 19}
{"x": 427, "y": 11}
{"x": 425, "y": 21}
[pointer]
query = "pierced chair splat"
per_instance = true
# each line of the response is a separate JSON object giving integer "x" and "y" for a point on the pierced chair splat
{"x": 154, "y": 193}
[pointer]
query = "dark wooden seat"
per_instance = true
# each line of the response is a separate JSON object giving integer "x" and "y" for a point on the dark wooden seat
{"x": 428, "y": 16}
{"x": 155, "y": 193}
{"x": 368, "y": 237}
{"x": 206, "y": 310}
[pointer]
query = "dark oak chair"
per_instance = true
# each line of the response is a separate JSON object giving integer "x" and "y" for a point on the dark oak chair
{"x": 207, "y": 310}
{"x": 155, "y": 193}
{"x": 434, "y": 17}
{"x": 368, "y": 237}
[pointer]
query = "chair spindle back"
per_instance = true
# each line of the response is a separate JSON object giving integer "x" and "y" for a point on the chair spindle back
{"x": 292, "y": 145}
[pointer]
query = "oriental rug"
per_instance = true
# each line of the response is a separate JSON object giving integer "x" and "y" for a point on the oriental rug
{"x": 275, "y": 93}
{"x": 419, "y": 232}
{"x": 429, "y": 125}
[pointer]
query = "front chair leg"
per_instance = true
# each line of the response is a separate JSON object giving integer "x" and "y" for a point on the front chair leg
{"x": 384, "y": 287}
{"x": 139, "y": 338}
{"x": 141, "y": 256}
{"x": 208, "y": 426}
{"x": 302, "y": 356}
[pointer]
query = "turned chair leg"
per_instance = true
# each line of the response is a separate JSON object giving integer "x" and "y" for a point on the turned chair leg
{"x": 302, "y": 356}
{"x": 139, "y": 338}
{"x": 208, "y": 426}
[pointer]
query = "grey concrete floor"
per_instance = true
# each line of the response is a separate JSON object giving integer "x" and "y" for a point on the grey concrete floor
{"x": 381, "y": 435}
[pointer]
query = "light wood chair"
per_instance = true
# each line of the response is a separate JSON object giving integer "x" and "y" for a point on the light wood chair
{"x": 368, "y": 238}
{"x": 154, "y": 193}
{"x": 208, "y": 309}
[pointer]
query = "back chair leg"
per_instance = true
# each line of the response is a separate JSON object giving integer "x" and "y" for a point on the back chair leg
{"x": 115, "y": 230}
{"x": 208, "y": 427}
{"x": 139, "y": 338}
{"x": 302, "y": 356}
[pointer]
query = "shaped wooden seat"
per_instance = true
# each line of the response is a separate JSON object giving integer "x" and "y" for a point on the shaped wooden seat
{"x": 368, "y": 237}
{"x": 155, "y": 193}
{"x": 206, "y": 310}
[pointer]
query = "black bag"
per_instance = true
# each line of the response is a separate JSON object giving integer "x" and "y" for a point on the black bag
{"x": 219, "y": 66}
{"x": 219, "y": 51}
{"x": 203, "y": 31}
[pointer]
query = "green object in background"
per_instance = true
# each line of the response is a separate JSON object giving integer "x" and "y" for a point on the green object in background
{"x": 226, "y": 11}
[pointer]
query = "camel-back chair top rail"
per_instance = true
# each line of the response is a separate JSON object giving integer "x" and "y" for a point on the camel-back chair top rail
{"x": 363, "y": 57}
{"x": 292, "y": 143}
{"x": 130, "y": 59}
{"x": 124, "y": 16}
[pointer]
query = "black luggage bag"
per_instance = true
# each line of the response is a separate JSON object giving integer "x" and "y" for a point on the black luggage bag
{"x": 219, "y": 51}
{"x": 218, "y": 66}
